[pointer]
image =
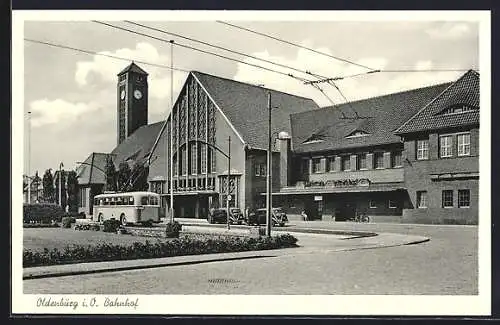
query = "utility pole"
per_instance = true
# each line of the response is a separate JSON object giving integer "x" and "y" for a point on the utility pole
{"x": 269, "y": 165}
{"x": 228, "y": 192}
{"x": 171, "y": 131}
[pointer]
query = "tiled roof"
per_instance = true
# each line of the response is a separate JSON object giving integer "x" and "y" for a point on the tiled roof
{"x": 91, "y": 170}
{"x": 380, "y": 117}
{"x": 245, "y": 106}
{"x": 138, "y": 145}
{"x": 134, "y": 149}
{"x": 132, "y": 67}
{"x": 464, "y": 91}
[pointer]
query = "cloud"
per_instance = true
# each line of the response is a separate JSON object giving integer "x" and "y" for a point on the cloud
{"x": 352, "y": 88}
{"x": 106, "y": 68}
{"x": 306, "y": 61}
{"x": 46, "y": 111}
{"x": 449, "y": 31}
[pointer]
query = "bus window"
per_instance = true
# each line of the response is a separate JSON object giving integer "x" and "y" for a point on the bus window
{"x": 119, "y": 201}
{"x": 95, "y": 201}
{"x": 106, "y": 201}
{"x": 144, "y": 200}
{"x": 101, "y": 202}
{"x": 130, "y": 200}
{"x": 155, "y": 200}
{"x": 112, "y": 201}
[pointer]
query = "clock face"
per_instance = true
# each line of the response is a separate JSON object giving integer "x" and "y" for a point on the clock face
{"x": 122, "y": 94}
{"x": 137, "y": 94}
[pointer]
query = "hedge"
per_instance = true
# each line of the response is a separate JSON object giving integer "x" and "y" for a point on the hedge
{"x": 41, "y": 225}
{"x": 175, "y": 247}
{"x": 42, "y": 212}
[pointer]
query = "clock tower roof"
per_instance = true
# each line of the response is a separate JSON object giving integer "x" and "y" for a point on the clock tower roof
{"x": 132, "y": 67}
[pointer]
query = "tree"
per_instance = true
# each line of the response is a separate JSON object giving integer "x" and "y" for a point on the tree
{"x": 110, "y": 175}
{"x": 138, "y": 178}
{"x": 123, "y": 176}
{"x": 34, "y": 185}
{"x": 64, "y": 198}
{"x": 48, "y": 186}
{"x": 72, "y": 191}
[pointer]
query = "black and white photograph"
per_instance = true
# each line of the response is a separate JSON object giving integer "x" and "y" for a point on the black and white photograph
{"x": 251, "y": 163}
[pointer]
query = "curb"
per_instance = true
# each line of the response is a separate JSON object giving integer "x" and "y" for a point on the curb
{"x": 127, "y": 265}
{"x": 48, "y": 274}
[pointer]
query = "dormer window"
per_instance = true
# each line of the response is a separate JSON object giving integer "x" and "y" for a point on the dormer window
{"x": 315, "y": 138}
{"x": 459, "y": 108}
{"x": 357, "y": 134}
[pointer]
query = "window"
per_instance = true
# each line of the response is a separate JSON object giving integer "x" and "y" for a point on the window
{"x": 184, "y": 161}
{"x": 392, "y": 204}
{"x": 131, "y": 200}
{"x": 460, "y": 108}
{"x": 119, "y": 201}
{"x": 378, "y": 160}
{"x": 396, "y": 159}
{"x": 463, "y": 141}
{"x": 203, "y": 160}
{"x": 447, "y": 199}
{"x": 362, "y": 161}
{"x": 421, "y": 199}
{"x": 372, "y": 204}
{"x": 422, "y": 149}
{"x": 144, "y": 200}
{"x": 257, "y": 170}
{"x": 463, "y": 198}
{"x": 263, "y": 170}
{"x": 193, "y": 159}
{"x": 445, "y": 146}
{"x": 330, "y": 164}
{"x": 346, "y": 163}
{"x": 175, "y": 165}
{"x": 316, "y": 165}
{"x": 213, "y": 160}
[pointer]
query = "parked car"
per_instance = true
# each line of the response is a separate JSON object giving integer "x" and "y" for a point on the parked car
{"x": 217, "y": 216}
{"x": 279, "y": 217}
{"x": 236, "y": 216}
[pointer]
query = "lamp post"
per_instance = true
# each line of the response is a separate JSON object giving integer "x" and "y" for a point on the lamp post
{"x": 269, "y": 166}
{"x": 228, "y": 195}
{"x": 60, "y": 190}
{"x": 29, "y": 156}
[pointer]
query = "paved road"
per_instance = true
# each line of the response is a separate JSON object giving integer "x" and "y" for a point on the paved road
{"x": 446, "y": 265}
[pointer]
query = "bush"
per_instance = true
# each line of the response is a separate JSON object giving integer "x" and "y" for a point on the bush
{"x": 148, "y": 223}
{"x": 175, "y": 247}
{"x": 42, "y": 213}
{"x": 89, "y": 226}
{"x": 173, "y": 229}
{"x": 67, "y": 221}
{"x": 110, "y": 225}
{"x": 41, "y": 225}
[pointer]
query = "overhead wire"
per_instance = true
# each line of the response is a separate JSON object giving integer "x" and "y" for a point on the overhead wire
{"x": 224, "y": 49}
{"x": 294, "y": 44}
{"x": 102, "y": 54}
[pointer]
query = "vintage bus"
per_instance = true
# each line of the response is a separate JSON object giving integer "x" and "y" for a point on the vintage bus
{"x": 128, "y": 207}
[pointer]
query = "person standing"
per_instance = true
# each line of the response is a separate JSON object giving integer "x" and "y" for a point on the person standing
{"x": 304, "y": 215}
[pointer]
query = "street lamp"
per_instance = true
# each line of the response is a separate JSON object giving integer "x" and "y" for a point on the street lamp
{"x": 281, "y": 136}
{"x": 29, "y": 155}
{"x": 60, "y": 175}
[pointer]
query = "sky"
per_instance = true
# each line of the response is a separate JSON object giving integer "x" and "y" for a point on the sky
{"x": 72, "y": 95}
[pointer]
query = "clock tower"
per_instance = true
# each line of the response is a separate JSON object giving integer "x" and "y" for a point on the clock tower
{"x": 132, "y": 103}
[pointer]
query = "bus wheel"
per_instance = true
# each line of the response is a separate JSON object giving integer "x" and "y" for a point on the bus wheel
{"x": 123, "y": 220}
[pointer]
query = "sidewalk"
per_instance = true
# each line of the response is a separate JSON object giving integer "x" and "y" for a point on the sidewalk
{"x": 308, "y": 243}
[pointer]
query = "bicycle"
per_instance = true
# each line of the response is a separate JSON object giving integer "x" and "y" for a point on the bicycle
{"x": 362, "y": 217}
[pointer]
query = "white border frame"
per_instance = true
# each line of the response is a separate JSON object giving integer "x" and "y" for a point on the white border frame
{"x": 296, "y": 304}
